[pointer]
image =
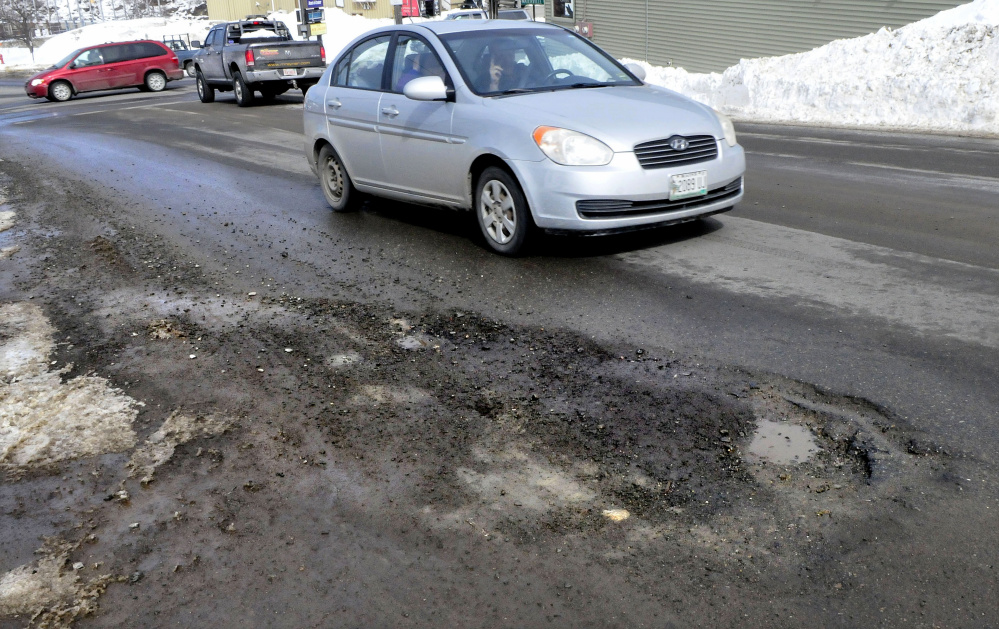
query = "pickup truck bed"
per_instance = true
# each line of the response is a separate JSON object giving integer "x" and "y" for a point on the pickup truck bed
{"x": 256, "y": 56}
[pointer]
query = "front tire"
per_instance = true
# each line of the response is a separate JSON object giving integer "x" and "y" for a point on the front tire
{"x": 502, "y": 212}
{"x": 60, "y": 91}
{"x": 244, "y": 95}
{"x": 205, "y": 91}
{"x": 155, "y": 82}
{"x": 335, "y": 182}
{"x": 189, "y": 69}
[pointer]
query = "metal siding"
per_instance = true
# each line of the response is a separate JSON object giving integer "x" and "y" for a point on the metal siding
{"x": 703, "y": 37}
{"x": 231, "y": 10}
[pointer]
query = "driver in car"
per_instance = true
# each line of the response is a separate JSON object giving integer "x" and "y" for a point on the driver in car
{"x": 503, "y": 71}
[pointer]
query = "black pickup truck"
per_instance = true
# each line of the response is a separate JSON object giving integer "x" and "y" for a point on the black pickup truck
{"x": 256, "y": 56}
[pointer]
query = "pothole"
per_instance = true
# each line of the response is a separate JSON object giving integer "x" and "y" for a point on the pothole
{"x": 781, "y": 443}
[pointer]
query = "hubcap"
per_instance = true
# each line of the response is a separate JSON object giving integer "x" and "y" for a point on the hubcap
{"x": 156, "y": 82}
{"x": 201, "y": 87}
{"x": 497, "y": 212}
{"x": 334, "y": 179}
{"x": 238, "y": 88}
{"x": 61, "y": 91}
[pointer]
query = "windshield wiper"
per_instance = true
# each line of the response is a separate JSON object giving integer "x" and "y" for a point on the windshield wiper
{"x": 517, "y": 90}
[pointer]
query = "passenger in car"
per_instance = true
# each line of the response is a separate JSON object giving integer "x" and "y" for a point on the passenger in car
{"x": 422, "y": 65}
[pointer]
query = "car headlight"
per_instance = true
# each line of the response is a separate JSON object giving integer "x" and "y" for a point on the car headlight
{"x": 571, "y": 148}
{"x": 727, "y": 127}
{"x": 37, "y": 81}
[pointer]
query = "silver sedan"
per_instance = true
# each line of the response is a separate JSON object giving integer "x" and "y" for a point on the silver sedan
{"x": 528, "y": 125}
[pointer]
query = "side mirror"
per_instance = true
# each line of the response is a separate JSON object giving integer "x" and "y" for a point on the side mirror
{"x": 426, "y": 88}
{"x": 195, "y": 43}
{"x": 637, "y": 70}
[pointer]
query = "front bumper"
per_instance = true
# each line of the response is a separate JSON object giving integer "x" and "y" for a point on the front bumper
{"x": 301, "y": 74}
{"x": 36, "y": 91}
{"x": 554, "y": 192}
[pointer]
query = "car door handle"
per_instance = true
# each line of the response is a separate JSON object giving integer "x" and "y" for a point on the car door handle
{"x": 391, "y": 112}
{"x": 335, "y": 103}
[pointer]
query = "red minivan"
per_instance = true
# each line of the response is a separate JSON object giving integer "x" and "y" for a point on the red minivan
{"x": 147, "y": 65}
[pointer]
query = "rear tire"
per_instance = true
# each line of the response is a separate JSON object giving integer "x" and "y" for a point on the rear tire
{"x": 502, "y": 212}
{"x": 205, "y": 91}
{"x": 244, "y": 95}
{"x": 60, "y": 91}
{"x": 335, "y": 182}
{"x": 155, "y": 82}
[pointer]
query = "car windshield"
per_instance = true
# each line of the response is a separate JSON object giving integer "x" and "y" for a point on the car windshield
{"x": 66, "y": 59}
{"x": 516, "y": 61}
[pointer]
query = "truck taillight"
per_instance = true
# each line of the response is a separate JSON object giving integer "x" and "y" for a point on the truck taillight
{"x": 322, "y": 53}
{"x": 249, "y": 58}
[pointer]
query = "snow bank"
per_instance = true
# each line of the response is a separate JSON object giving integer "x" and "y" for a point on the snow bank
{"x": 935, "y": 74}
{"x": 156, "y": 28}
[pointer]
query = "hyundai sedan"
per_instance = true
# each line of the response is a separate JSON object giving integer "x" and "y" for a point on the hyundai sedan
{"x": 529, "y": 126}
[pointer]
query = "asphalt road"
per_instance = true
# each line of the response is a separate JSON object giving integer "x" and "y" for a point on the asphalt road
{"x": 861, "y": 263}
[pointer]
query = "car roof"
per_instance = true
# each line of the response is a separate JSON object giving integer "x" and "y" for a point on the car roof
{"x": 443, "y": 27}
{"x": 122, "y": 43}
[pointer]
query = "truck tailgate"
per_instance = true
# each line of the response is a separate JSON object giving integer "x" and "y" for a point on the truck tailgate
{"x": 287, "y": 55}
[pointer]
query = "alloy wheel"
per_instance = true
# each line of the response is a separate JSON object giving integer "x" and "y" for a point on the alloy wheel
{"x": 61, "y": 91}
{"x": 499, "y": 216}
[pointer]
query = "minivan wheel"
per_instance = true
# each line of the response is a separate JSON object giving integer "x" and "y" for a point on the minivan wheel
{"x": 61, "y": 91}
{"x": 502, "y": 211}
{"x": 335, "y": 182}
{"x": 155, "y": 81}
{"x": 205, "y": 91}
{"x": 244, "y": 95}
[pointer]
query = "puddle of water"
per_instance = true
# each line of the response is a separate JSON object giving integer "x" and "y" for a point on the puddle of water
{"x": 413, "y": 342}
{"x": 781, "y": 443}
{"x": 343, "y": 360}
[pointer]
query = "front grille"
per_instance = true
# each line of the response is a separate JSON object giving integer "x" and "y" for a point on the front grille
{"x": 659, "y": 154}
{"x": 615, "y": 208}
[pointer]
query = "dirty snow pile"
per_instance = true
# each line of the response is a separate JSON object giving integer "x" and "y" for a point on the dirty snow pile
{"x": 936, "y": 74}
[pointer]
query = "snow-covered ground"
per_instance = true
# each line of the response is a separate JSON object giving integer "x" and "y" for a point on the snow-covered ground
{"x": 938, "y": 74}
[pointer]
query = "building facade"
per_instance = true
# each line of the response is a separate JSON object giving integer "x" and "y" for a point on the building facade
{"x": 702, "y": 36}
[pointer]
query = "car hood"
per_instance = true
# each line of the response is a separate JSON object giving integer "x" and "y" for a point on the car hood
{"x": 43, "y": 74}
{"x": 621, "y": 117}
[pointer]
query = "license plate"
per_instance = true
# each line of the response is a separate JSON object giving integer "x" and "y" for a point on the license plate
{"x": 290, "y": 72}
{"x": 688, "y": 185}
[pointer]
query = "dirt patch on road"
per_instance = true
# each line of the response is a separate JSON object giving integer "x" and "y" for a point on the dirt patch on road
{"x": 409, "y": 468}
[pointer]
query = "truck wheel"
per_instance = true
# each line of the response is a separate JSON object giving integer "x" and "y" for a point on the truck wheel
{"x": 205, "y": 91}
{"x": 335, "y": 182}
{"x": 244, "y": 95}
{"x": 189, "y": 69}
{"x": 60, "y": 91}
{"x": 155, "y": 82}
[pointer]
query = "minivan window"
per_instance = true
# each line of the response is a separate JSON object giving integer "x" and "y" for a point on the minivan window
{"x": 90, "y": 57}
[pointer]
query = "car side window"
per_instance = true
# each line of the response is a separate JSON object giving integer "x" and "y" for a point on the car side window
{"x": 412, "y": 58}
{"x": 147, "y": 49}
{"x": 88, "y": 58}
{"x": 113, "y": 54}
{"x": 367, "y": 63}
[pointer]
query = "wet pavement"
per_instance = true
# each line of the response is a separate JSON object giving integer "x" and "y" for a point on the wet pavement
{"x": 222, "y": 403}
